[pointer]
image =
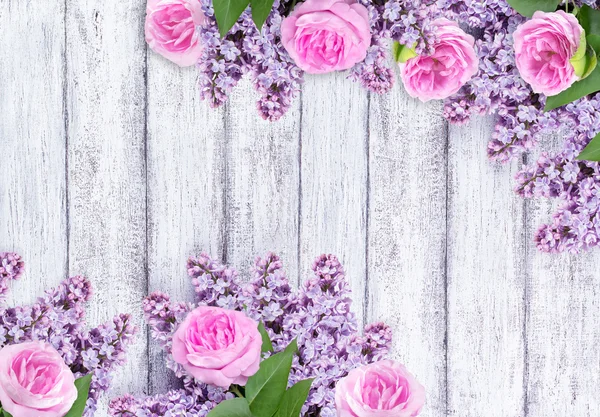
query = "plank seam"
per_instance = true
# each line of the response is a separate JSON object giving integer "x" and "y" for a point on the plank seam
{"x": 225, "y": 181}
{"x": 446, "y": 301}
{"x": 366, "y": 305}
{"x": 299, "y": 211}
{"x": 524, "y": 238}
{"x": 147, "y": 256}
{"x": 66, "y": 133}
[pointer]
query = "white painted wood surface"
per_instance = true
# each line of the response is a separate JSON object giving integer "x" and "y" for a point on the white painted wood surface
{"x": 112, "y": 167}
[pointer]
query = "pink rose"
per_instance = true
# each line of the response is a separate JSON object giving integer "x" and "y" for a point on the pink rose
{"x": 218, "y": 346}
{"x": 327, "y": 35}
{"x": 544, "y": 47}
{"x": 381, "y": 389}
{"x": 441, "y": 74}
{"x": 35, "y": 381}
{"x": 171, "y": 29}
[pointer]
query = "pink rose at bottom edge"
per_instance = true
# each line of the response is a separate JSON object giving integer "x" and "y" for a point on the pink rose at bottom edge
{"x": 441, "y": 74}
{"x": 385, "y": 388}
{"x": 35, "y": 381}
{"x": 544, "y": 47}
{"x": 217, "y": 346}
{"x": 171, "y": 30}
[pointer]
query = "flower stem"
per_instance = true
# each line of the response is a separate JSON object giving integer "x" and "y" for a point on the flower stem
{"x": 235, "y": 389}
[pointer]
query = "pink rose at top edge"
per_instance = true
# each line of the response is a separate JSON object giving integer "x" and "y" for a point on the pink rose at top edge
{"x": 441, "y": 74}
{"x": 382, "y": 389}
{"x": 171, "y": 29}
{"x": 544, "y": 47}
{"x": 35, "y": 381}
{"x": 327, "y": 35}
{"x": 217, "y": 346}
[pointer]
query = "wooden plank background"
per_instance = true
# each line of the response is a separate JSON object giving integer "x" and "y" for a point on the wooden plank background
{"x": 113, "y": 168}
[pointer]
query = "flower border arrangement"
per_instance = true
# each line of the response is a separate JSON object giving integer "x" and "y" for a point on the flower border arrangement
{"x": 50, "y": 364}
{"x": 276, "y": 41}
{"x": 538, "y": 74}
{"x": 262, "y": 349}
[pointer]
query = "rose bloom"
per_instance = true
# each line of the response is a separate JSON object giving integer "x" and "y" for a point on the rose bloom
{"x": 218, "y": 346}
{"x": 171, "y": 29}
{"x": 380, "y": 389}
{"x": 327, "y": 35}
{"x": 441, "y": 74}
{"x": 35, "y": 381}
{"x": 544, "y": 47}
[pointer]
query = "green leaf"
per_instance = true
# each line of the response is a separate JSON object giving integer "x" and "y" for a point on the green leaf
{"x": 591, "y": 151}
{"x": 237, "y": 407}
{"x": 294, "y": 398}
{"x": 4, "y": 413}
{"x": 402, "y": 53}
{"x": 260, "y": 11}
{"x": 584, "y": 61}
{"x": 265, "y": 389}
{"x": 227, "y": 12}
{"x": 589, "y": 19}
{"x": 83, "y": 388}
{"x": 529, "y": 7}
{"x": 581, "y": 88}
{"x": 267, "y": 346}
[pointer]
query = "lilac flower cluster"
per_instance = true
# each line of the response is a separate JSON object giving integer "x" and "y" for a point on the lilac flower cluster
{"x": 276, "y": 77}
{"x": 521, "y": 122}
{"x": 58, "y": 318}
{"x": 318, "y": 315}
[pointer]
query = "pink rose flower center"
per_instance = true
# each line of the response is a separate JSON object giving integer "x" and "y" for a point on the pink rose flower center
{"x": 321, "y": 46}
{"x": 384, "y": 392}
{"x": 34, "y": 372}
{"x": 213, "y": 332}
{"x": 175, "y": 27}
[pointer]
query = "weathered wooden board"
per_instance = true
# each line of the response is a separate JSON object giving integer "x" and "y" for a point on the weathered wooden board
{"x": 486, "y": 279}
{"x": 334, "y": 161}
{"x": 106, "y": 104}
{"x": 33, "y": 209}
{"x": 406, "y": 285}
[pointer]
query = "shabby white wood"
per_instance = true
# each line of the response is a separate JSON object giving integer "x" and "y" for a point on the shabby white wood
{"x": 407, "y": 235}
{"x": 333, "y": 207}
{"x": 486, "y": 279}
{"x": 186, "y": 170}
{"x": 33, "y": 214}
{"x": 262, "y": 184}
{"x": 106, "y": 101}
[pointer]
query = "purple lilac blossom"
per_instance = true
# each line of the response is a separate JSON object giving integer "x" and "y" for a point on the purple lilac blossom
{"x": 318, "y": 315}
{"x": 58, "y": 318}
{"x": 275, "y": 76}
{"x": 521, "y": 122}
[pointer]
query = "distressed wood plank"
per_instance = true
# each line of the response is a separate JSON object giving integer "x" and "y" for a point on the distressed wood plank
{"x": 186, "y": 173}
{"x": 563, "y": 313}
{"x": 33, "y": 215}
{"x": 334, "y": 160}
{"x": 262, "y": 183}
{"x": 486, "y": 279}
{"x": 407, "y": 235}
{"x": 106, "y": 99}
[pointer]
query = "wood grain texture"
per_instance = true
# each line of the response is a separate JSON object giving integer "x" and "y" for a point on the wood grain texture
{"x": 106, "y": 100}
{"x": 407, "y": 235}
{"x": 33, "y": 215}
{"x": 334, "y": 161}
{"x": 262, "y": 184}
{"x": 563, "y": 312}
{"x": 186, "y": 170}
{"x": 486, "y": 279}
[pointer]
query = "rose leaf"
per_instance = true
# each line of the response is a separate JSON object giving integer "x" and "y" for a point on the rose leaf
{"x": 265, "y": 389}
{"x": 83, "y": 388}
{"x": 237, "y": 407}
{"x": 589, "y": 19}
{"x": 294, "y": 398}
{"x": 227, "y": 12}
{"x": 260, "y": 11}
{"x": 591, "y": 151}
{"x": 402, "y": 53}
{"x": 529, "y": 7}
{"x": 267, "y": 346}
{"x": 581, "y": 88}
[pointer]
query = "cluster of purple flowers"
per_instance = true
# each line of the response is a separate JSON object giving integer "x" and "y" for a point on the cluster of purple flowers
{"x": 58, "y": 318}
{"x": 318, "y": 315}
{"x": 276, "y": 77}
{"x": 521, "y": 122}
